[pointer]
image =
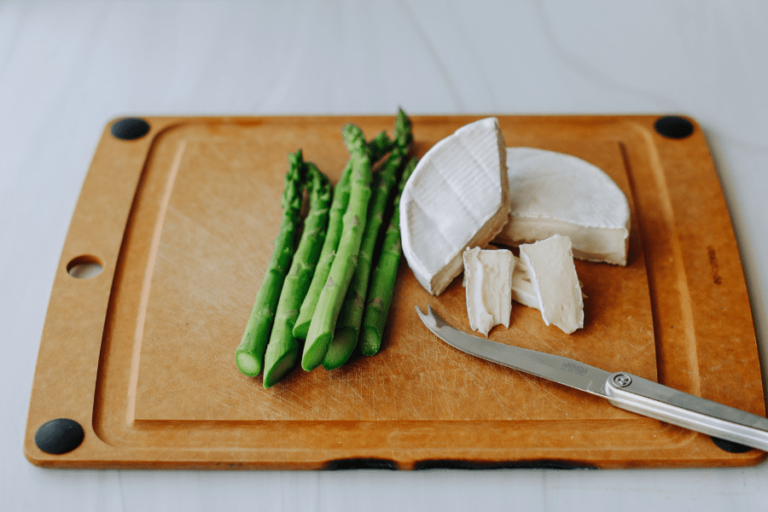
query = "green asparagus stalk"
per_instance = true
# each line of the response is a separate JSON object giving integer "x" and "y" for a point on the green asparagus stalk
{"x": 383, "y": 281}
{"x": 249, "y": 355}
{"x": 283, "y": 348}
{"x": 351, "y": 316}
{"x": 376, "y": 148}
{"x": 323, "y": 323}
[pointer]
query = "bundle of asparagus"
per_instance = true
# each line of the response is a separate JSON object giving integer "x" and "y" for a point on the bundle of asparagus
{"x": 329, "y": 273}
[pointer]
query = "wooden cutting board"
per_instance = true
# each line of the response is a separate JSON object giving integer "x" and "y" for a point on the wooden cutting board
{"x": 182, "y": 220}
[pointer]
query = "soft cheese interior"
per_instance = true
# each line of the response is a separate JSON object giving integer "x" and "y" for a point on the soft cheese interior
{"x": 522, "y": 287}
{"x": 552, "y": 193}
{"x": 488, "y": 282}
{"x": 552, "y": 274}
{"x": 457, "y": 197}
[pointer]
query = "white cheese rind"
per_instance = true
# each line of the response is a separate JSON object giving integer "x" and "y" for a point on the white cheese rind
{"x": 488, "y": 282}
{"x": 553, "y": 193}
{"x": 553, "y": 275}
{"x": 457, "y": 197}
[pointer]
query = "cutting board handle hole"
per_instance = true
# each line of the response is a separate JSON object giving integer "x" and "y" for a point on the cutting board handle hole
{"x": 85, "y": 267}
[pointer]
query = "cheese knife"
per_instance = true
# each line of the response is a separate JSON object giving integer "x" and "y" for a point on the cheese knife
{"x": 621, "y": 389}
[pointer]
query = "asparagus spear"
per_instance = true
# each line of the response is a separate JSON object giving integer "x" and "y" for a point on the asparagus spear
{"x": 376, "y": 148}
{"x": 283, "y": 347}
{"x": 351, "y": 315}
{"x": 384, "y": 275}
{"x": 323, "y": 323}
{"x": 249, "y": 355}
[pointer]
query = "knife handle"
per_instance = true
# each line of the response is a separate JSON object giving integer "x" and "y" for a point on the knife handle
{"x": 654, "y": 400}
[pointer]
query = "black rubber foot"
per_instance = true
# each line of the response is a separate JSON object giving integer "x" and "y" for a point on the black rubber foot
{"x": 59, "y": 436}
{"x": 342, "y": 464}
{"x": 130, "y": 128}
{"x": 674, "y": 127}
{"x": 730, "y": 446}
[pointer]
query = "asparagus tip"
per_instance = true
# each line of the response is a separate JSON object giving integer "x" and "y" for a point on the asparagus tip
{"x": 352, "y": 136}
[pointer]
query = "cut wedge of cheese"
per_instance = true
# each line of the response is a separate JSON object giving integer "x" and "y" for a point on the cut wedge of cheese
{"x": 488, "y": 282}
{"x": 549, "y": 265}
{"x": 553, "y": 193}
{"x": 457, "y": 197}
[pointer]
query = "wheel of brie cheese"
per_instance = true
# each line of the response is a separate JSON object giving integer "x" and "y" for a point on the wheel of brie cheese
{"x": 457, "y": 197}
{"x": 553, "y": 193}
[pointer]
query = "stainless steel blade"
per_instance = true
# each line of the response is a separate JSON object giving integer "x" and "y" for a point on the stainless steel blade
{"x": 551, "y": 367}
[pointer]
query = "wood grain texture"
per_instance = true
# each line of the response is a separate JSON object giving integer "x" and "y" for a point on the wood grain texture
{"x": 184, "y": 218}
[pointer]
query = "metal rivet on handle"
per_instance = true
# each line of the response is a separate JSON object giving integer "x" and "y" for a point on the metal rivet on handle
{"x": 622, "y": 380}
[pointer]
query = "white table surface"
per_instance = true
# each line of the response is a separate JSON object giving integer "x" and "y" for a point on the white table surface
{"x": 68, "y": 67}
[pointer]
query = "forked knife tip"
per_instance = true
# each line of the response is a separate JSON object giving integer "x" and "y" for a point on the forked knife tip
{"x": 428, "y": 317}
